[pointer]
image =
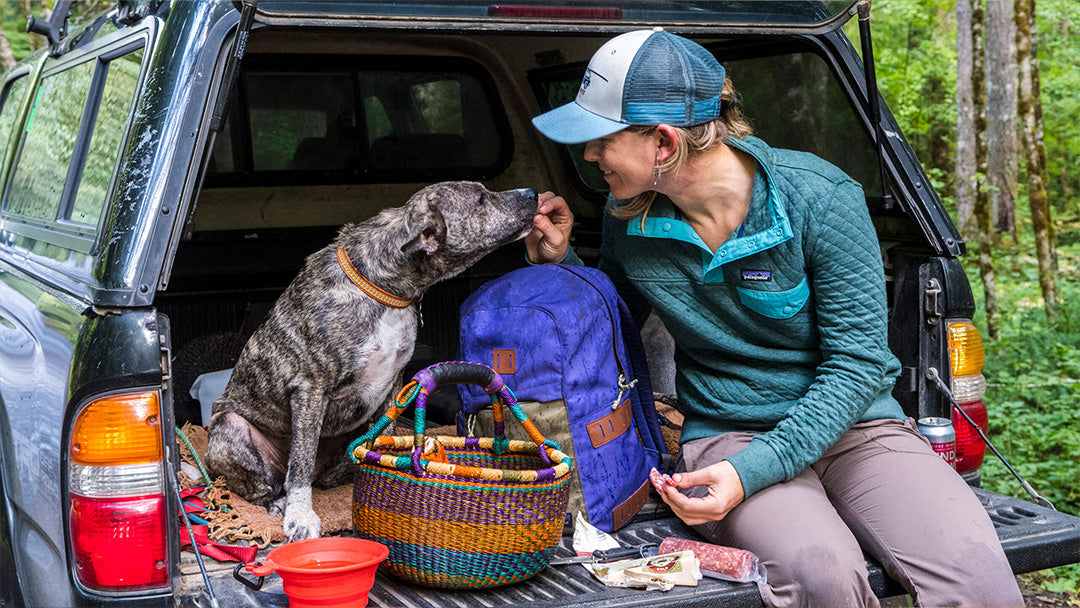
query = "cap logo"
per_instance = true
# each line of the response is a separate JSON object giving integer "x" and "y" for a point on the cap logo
{"x": 587, "y": 79}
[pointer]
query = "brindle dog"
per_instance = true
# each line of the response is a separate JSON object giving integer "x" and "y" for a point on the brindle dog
{"x": 328, "y": 356}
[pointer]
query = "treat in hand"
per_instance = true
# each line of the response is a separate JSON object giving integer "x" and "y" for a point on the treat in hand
{"x": 659, "y": 479}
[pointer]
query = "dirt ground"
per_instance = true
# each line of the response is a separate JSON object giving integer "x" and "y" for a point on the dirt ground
{"x": 1034, "y": 597}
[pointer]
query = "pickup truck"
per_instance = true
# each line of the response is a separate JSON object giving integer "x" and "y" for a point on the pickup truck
{"x": 165, "y": 167}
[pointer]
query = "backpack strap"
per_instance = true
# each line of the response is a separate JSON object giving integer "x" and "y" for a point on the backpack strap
{"x": 635, "y": 354}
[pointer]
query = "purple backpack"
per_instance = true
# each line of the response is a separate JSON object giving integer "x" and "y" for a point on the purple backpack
{"x": 565, "y": 344}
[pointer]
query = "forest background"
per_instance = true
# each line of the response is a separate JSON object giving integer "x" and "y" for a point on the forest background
{"x": 1032, "y": 343}
{"x": 1033, "y": 366}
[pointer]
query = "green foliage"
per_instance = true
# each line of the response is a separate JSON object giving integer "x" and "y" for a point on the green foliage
{"x": 1033, "y": 374}
{"x": 1064, "y": 580}
{"x": 1059, "y": 46}
{"x": 915, "y": 60}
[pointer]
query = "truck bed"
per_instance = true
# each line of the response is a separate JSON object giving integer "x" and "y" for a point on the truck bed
{"x": 1026, "y": 532}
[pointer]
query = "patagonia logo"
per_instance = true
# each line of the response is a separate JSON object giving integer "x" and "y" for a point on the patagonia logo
{"x": 587, "y": 79}
{"x": 756, "y": 275}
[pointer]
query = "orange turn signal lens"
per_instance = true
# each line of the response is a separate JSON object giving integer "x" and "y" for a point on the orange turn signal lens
{"x": 965, "y": 349}
{"x": 118, "y": 429}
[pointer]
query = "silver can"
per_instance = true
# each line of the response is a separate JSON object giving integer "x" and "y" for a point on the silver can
{"x": 942, "y": 437}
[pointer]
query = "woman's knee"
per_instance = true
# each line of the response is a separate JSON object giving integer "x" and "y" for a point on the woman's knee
{"x": 819, "y": 576}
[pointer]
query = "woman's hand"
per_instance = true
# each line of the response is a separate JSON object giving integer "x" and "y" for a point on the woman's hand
{"x": 550, "y": 236}
{"x": 725, "y": 493}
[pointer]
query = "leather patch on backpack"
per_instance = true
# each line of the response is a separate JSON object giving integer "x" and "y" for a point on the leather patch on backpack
{"x": 625, "y": 511}
{"x": 606, "y": 429}
{"x": 504, "y": 361}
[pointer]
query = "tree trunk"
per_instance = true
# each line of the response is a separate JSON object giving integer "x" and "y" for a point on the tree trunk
{"x": 983, "y": 208}
{"x": 1063, "y": 176}
{"x": 1001, "y": 111}
{"x": 965, "y": 126}
{"x": 26, "y": 11}
{"x": 7, "y": 58}
{"x": 1035, "y": 153}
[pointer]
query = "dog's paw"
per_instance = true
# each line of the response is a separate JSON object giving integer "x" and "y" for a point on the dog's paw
{"x": 301, "y": 524}
{"x": 277, "y": 508}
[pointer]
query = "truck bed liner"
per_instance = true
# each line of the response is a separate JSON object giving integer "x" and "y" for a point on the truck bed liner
{"x": 1034, "y": 538}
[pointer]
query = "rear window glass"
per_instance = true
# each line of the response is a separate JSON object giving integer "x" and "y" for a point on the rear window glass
{"x": 792, "y": 100}
{"x": 38, "y": 183}
{"x": 121, "y": 80}
{"x": 74, "y": 133}
{"x": 291, "y": 129}
{"x": 360, "y": 119}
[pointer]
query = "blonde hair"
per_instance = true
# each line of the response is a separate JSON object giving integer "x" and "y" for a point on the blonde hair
{"x": 692, "y": 141}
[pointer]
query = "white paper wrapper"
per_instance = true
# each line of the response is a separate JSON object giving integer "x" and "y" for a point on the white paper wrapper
{"x": 588, "y": 538}
{"x": 660, "y": 572}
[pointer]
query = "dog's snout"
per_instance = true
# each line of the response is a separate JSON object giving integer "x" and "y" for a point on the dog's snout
{"x": 528, "y": 195}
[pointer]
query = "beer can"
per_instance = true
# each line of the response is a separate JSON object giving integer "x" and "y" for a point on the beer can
{"x": 942, "y": 437}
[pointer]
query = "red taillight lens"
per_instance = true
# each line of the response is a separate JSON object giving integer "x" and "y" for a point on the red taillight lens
{"x": 554, "y": 12}
{"x": 116, "y": 490}
{"x": 970, "y": 448}
{"x": 119, "y": 543}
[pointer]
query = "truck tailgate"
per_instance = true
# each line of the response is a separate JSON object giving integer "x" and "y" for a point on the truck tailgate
{"x": 1034, "y": 538}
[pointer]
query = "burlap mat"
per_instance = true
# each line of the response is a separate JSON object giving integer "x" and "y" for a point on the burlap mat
{"x": 233, "y": 519}
{"x": 671, "y": 422}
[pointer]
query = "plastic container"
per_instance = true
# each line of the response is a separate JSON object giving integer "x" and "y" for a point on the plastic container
{"x": 333, "y": 571}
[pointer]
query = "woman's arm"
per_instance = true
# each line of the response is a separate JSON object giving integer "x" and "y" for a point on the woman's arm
{"x": 845, "y": 272}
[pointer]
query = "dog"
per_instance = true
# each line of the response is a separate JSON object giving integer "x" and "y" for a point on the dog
{"x": 332, "y": 348}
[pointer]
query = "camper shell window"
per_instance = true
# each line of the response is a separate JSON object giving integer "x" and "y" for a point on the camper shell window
{"x": 360, "y": 119}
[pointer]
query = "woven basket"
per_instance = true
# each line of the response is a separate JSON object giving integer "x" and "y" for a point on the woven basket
{"x": 460, "y": 512}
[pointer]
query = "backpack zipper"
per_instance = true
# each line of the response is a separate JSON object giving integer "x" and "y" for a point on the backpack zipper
{"x": 625, "y": 383}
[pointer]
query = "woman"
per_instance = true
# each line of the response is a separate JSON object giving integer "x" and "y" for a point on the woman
{"x": 764, "y": 266}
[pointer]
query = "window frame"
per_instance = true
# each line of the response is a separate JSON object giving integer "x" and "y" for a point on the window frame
{"x": 14, "y": 137}
{"x": 86, "y": 132}
{"x": 60, "y": 230}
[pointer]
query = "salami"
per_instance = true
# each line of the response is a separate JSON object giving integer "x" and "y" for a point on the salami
{"x": 659, "y": 479}
{"x": 730, "y": 563}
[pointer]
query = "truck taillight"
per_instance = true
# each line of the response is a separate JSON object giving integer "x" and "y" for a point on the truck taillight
{"x": 966, "y": 358}
{"x": 970, "y": 448}
{"x": 116, "y": 491}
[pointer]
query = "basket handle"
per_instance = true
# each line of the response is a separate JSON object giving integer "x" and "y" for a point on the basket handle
{"x": 457, "y": 372}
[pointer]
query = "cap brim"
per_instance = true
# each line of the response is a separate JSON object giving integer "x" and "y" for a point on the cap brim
{"x": 573, "y": 124}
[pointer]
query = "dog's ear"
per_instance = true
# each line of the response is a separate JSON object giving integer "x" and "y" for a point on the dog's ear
{"x": 429, "y": 236}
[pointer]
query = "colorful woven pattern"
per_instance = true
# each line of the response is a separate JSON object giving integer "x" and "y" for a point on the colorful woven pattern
{"x": 460, "y": 512}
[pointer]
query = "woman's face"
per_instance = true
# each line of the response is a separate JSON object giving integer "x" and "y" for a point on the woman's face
{"x": 626, "y": 159}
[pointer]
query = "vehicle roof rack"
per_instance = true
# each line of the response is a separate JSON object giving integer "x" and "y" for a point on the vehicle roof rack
{"x": 54, "y": 28}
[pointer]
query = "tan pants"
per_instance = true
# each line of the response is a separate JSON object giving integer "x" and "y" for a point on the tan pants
{"x": 881, "y": 489}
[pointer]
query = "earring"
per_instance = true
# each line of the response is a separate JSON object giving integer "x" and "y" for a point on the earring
{"x": 655, "y": 174}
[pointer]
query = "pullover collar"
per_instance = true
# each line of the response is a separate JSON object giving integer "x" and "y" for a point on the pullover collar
{"x": 766, "y": 224}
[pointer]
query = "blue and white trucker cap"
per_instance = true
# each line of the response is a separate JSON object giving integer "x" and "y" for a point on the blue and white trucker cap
{"x": 644, "y": 77}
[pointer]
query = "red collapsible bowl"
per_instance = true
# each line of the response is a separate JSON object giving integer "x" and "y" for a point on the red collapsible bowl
{"x": 325, "y": 571}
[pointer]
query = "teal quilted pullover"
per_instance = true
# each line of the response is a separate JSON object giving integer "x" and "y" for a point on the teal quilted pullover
{"x": 781, "y": 331}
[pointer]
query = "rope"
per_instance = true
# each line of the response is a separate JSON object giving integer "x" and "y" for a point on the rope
{"x": 194, "y": 454}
